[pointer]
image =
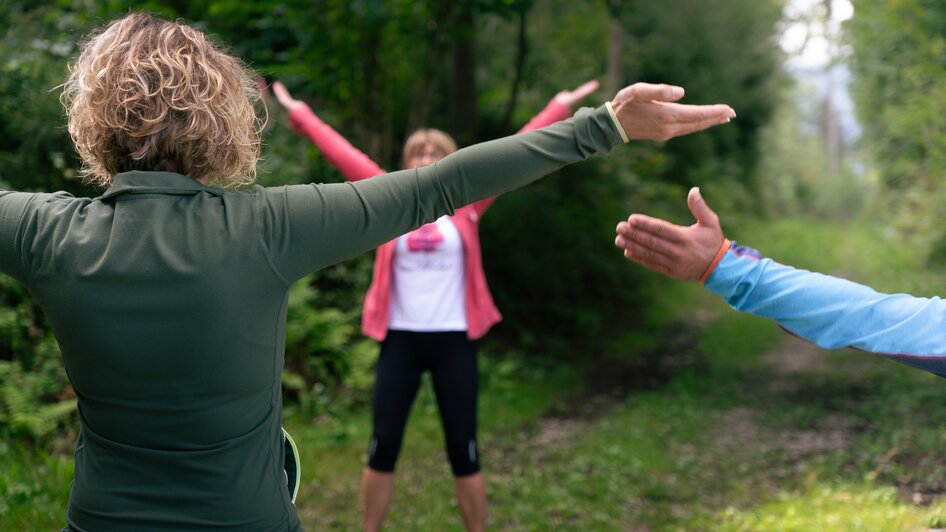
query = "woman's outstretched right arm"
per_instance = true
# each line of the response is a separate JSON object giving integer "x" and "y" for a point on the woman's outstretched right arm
{"x": 13, "y": 206}
{"x": 833, "y": 312}
{"x": 349, "y": 160}
{"x": 828, "y": 311}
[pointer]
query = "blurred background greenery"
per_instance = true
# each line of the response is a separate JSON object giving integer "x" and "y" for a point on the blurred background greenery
{"x": 377, "y": 69}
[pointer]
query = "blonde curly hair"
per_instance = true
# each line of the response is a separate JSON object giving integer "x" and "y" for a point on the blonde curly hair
{"x": 149, "y": 94}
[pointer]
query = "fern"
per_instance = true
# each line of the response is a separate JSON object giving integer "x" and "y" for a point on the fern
{"x": 35, "y": 396}
{"x": 22, "y": 411}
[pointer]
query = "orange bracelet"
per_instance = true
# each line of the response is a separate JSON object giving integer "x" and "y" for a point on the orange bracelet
{"x": 719, "y": 256}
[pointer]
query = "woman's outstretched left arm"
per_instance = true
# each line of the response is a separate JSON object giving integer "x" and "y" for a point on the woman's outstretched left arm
{"x": 308, "y": 227}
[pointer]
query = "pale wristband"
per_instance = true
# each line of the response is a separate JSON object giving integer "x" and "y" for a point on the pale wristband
{"x": 617, "y": 123}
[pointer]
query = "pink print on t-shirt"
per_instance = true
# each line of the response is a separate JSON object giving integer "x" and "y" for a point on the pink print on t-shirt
{"x": 426, "y": 238}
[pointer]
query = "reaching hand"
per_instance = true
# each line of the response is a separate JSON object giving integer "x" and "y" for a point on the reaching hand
{"x": 570, "y": 98}
{"x": 680, "y": 252}
{"x": 647, "y": 112}
{"x": 263, "y": 87}
{"x": 285, "y": 99}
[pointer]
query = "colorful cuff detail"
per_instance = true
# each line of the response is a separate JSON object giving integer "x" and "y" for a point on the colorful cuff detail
{"x": 720, "y": 253}
{"x": 617, "y": 123}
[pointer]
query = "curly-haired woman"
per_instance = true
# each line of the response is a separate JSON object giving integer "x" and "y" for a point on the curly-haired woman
{"x": 168, "y": 294}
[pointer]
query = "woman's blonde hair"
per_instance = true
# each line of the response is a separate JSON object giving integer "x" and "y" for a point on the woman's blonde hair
{"x": 421, "y": 137}
{"x": 149, "y": 94}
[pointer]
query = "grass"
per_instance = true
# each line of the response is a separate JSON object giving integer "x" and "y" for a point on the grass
{"x": 833, "y": 508}
{"x": 34, "y": 487}
{"x": 724, "y": 445}
{"x": 513, "y": 396}
{"x": 733, "y": 440}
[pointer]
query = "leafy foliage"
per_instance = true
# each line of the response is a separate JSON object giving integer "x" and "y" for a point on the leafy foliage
{"x": 20, "y": 411}
{"x": 899, "y": 50}
{"x": 36, "y": 152}
{"x": 35, "y": 397}
{"x": 378, "y": 69}
{"x": 324, "y": 348}
{"x": 547, "y": 247}
{"x": 794, "y": 173}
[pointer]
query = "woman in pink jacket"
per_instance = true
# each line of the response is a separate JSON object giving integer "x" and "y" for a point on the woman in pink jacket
{"x": 428, "y": 303}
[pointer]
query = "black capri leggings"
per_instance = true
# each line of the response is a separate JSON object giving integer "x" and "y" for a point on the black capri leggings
{"x": 451, "y": 359}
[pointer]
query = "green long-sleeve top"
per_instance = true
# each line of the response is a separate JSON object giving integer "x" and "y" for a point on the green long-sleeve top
{"x": 168, "y": 299}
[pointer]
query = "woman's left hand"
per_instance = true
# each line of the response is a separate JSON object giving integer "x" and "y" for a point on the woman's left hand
{"x": 570, "y": 98}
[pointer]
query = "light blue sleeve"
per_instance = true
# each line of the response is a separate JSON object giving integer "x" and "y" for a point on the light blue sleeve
{"x": 833, "y": 312}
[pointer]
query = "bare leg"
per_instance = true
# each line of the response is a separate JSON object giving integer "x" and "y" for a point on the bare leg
{"x": 377, "y": 490}
{"x": 471, "y": 497}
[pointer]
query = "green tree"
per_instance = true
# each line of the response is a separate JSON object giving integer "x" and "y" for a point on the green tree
{"x": 560, "y": 284}
{"x": 899, "y": 50}
{"x": 376, "y": 70}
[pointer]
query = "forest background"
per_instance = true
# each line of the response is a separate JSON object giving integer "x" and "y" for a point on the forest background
{"x": 378, "y": 69}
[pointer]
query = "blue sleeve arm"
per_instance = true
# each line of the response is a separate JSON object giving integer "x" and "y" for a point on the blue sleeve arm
{"x": 833, "y": 312}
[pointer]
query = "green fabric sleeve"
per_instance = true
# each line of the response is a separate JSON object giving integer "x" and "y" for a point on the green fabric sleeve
{"x": 12, "y": 207}
{"x": 308, "y": 227}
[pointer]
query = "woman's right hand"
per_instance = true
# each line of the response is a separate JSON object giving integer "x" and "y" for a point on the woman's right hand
{"x": 570, "y": 98}
{"x": 684, "y": 253}
{"x": 285, "y": 99}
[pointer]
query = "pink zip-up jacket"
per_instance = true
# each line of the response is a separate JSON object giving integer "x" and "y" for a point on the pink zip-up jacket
{"x": 481, "y": 312}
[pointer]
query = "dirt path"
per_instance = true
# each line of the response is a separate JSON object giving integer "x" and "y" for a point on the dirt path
{"x": 792, "y": 360}
{"x": 772, "y": 456}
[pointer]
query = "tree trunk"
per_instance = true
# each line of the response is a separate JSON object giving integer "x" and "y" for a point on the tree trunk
{"x": 430, "y": 72}
{"x": 523, "y": 50}
{"x": 614, "y": 75}
{"x": 463, "y": 96}
{"x": 830, "y": 127}
{"x": 370, "y": 135}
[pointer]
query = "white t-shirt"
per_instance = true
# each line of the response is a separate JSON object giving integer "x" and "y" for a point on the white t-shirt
{"x": 427, "y": 290}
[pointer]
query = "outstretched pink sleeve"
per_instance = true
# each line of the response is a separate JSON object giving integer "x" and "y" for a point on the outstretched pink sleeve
{"x": 350, "y": 161}
{"x": 355, "y": 165}
{"x": 554, "y": 111}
